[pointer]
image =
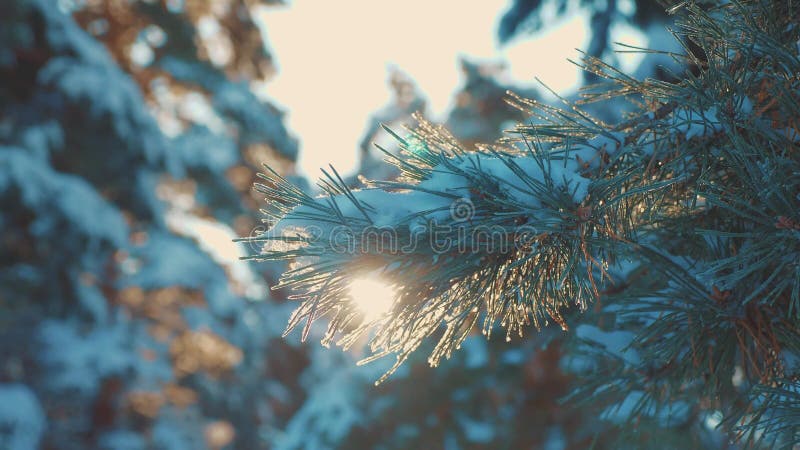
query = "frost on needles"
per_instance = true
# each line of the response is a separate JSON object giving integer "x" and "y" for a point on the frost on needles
{"x": 680, "y": 221}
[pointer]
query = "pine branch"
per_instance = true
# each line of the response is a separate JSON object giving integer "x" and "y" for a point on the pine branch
{"x": 700, "y": 186}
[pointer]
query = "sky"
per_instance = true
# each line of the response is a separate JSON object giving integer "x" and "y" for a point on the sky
{"x": 333, "y": 60}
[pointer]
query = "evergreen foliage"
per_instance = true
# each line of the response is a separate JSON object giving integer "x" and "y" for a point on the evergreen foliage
{"x": 526, "y": 16}
{"x": 674, "y": 230}
{"x": 119, "y": 327}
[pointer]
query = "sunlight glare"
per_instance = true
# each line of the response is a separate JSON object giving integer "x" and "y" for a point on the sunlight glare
{"x": 372, "y": 296}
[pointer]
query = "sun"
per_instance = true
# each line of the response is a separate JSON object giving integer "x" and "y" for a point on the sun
{"x": 372, "y": 296}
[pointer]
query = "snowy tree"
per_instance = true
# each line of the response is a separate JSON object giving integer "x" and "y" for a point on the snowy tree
{"x": 127, "y": 320}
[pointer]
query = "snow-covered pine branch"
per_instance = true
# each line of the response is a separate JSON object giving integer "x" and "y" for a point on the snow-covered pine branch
{"x": 681, "y": 218}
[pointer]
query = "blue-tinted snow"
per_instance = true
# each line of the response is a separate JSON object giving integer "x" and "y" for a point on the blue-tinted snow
{"x": 331, "y": 410}
{"x": 693, "y": 123}
{"x": 669, "y": 414}
{"x": 113, "y": 98}
{"x": 199, "y": 148}
{"x": 77, "y": 204}
{"x": 80, "y": 360}
{"x": 432, "y": 198}
{"x": 476, "y": 352}
{"x": 121, "y": 440}
{"x": 22, "y": 420}
{"x": 260, "y": 121}
{"x": 615, "y": 342}
{"x": 474, "y": 430}
{"x": 169, "y": 437}
{"x": 169, "y": 260}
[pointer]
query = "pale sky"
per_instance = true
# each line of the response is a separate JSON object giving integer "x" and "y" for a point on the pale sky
{"x": 333, "y": 60}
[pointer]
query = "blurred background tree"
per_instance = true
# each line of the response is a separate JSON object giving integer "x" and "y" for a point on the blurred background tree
{"x": 131, "y": 137}
{"x": 528, "y": 16}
